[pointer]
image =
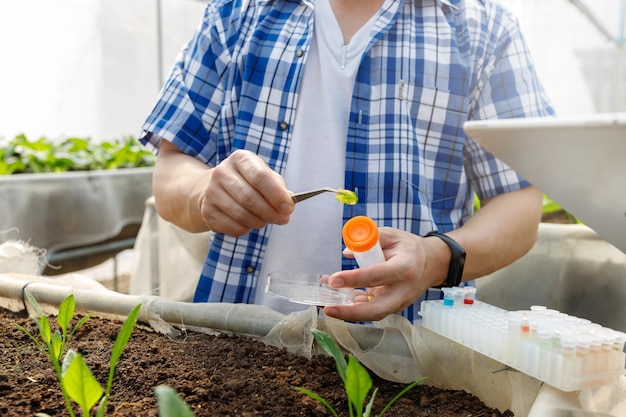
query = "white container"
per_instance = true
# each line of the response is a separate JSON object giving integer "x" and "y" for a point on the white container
{"x": 360, "y": 234}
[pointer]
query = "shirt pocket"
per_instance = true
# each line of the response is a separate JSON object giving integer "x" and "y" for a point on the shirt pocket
{"x": 432, "y": 120}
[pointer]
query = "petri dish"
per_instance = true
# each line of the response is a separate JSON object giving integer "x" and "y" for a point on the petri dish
{"x": 306, "y": 288}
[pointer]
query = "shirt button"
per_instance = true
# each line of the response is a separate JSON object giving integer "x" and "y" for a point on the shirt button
{"x": 299, "y": 53}
{"x": 249, "y": 269}
{"x": 284, "y": 125}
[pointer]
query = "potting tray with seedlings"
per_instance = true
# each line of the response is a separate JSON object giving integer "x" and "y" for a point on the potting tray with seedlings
{"x": 564, "y": 351}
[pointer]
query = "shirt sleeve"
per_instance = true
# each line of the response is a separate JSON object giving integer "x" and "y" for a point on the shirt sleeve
{"x": 507, "y": 87}
{"x": 189, "y": 103}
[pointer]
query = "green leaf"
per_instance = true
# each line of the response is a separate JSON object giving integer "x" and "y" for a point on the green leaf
{"x": 318, "y": 398}
{"x": 66, "y": 313}
{"x": 328, "y": 345}
{"x": 21, "y": 155}
{"x": 118, "y": 348}
{"x": 57, "y": 346}
{"x": 124, "y": 335}
{"x": 370, "y": 404}
{"x": 39, "y": 345}
{"x": 44, "y": 330}
{"x": 400, "y": 394}
{"x": 33, "y": 302}
{"x": 358, "y": 384}
{"x": 67, "y": 360}
{"x": 80, "y": 383}
{"x": 79, "y": 324}
{"x": 170, "y": 403}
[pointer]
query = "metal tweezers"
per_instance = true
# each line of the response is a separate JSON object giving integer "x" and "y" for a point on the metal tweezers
{"x": 308, "y": 194}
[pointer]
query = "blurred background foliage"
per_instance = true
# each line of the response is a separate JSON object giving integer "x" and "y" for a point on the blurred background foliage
{"x": 23, "y": 156}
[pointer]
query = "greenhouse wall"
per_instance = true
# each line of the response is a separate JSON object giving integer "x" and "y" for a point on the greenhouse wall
{"x": 94, "y": 67}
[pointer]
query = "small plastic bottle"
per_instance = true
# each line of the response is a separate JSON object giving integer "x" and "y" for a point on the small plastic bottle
{"x": 360, "y": 234}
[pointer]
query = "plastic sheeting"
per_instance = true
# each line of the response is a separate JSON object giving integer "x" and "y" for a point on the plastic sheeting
{"x": 168, "y": 260}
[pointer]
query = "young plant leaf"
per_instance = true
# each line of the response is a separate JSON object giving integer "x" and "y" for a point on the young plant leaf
{"x": 33, "y": 302}
{"x": 79, "y": 325}
{"x": 80, "y": 383}
{"x": 400, "y": 394}
{"x": 370, "y": 404}
{"x": 120, "y": 342}
{"x": 318, "y": 398}
{"x": 44, "y": 330}
{"x": 39, "y": 345}
{"x": 328, "y": 345}
{"x": 57, "y": 346}
{"x": 124, "y": 335}
{"x": 170, "y": 404}
{"x": 358, "y": 384}
{"x": 66, "y": 312}
{"x": 356, "y": 379}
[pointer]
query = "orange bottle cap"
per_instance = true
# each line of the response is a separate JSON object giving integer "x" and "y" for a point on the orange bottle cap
{"x": 360, "y": 234}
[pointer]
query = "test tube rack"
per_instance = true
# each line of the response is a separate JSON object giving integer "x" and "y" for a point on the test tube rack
{"x": 563, "y": 351}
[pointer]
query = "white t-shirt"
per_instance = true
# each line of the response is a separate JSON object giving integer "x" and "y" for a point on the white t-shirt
{"x": 311, "y": 241}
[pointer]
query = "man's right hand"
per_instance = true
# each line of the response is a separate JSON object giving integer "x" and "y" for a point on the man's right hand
{"x": 239, "y": 194}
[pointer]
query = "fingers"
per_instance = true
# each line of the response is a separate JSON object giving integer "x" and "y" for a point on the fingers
{"x": 369, "y": 307}
{"x": 244, "y": 194}
{"x": 391, "y": 286}
{"x": 258, "y": 188}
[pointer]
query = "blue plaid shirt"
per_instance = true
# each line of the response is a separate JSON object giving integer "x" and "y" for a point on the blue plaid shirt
{"x": 429, "y": 66}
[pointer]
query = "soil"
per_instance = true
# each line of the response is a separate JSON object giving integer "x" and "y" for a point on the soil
{"x": 224, "y": 375}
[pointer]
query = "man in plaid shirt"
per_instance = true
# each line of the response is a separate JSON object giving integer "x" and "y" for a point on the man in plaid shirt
{"x": 275, "y": 96}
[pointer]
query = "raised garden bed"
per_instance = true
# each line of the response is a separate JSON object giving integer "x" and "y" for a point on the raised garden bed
{"x": 216, "y": 375}
{"x": 81, "y": 201}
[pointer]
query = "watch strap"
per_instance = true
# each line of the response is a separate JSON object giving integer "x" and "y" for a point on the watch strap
{"x": 457, "y": 260}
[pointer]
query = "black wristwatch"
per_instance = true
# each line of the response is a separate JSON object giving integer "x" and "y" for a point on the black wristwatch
{"x": 457, "y": 261}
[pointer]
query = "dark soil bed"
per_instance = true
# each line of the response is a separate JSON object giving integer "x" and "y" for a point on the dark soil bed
{"x": 216, "y": 375}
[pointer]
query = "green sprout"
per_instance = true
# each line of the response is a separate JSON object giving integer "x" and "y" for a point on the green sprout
{"x": 76, "y": 380}
{"x": 346, "y": 197}
{"x": 356, "y": 380}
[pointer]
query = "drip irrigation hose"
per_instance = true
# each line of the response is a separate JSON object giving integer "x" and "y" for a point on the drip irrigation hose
{"x": 245, "y": 319}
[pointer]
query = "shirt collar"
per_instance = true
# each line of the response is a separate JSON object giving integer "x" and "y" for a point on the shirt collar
{"x": 450, "y": 3}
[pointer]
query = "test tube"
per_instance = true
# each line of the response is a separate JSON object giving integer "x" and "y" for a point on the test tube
{"x": 515, "y": 324}
{"x": 469, "y": 295}
{"x": 544, "y": 334}
{"x": 583, "y": 358}
{"x": 597, "y": 363}
{"x": 567, "y": 359}
{"x": 448, "y": 296}
{"x": 617, "y": 358}
{"x": 459, "y": 294}
{"x": 620, "y": 340}
{"x": 360, "y": 235}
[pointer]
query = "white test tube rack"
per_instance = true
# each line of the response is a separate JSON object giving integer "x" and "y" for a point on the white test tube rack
{"x": 564, "y": 351}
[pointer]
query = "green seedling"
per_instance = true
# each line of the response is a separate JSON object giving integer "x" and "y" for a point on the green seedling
{"x": 356, "y": 380}
{"x": 77, "y": 382}
{"x": 170, "y": 404}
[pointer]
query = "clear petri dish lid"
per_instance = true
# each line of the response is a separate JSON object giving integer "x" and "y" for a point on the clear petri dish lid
{"x": 306, "y": 288}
